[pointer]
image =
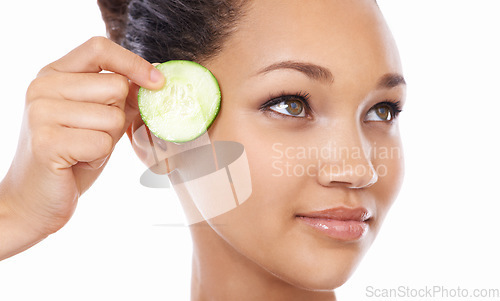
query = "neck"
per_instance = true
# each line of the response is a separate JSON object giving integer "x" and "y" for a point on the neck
{"x": 221, "y": 273}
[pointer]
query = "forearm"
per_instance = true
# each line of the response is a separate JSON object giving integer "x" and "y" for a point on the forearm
{"x": 15, "y": 233}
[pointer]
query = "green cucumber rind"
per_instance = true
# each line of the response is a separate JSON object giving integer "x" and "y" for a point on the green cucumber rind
{"x": 209, "y": 122}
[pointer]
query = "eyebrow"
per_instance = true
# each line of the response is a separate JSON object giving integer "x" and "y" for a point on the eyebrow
{"x": 313, "y": 71}
{"x": 391, "y": 80}
{"x": 316, "y": 72}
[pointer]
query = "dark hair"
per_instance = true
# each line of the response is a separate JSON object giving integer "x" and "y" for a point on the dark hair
{"x": 162, "y": 30}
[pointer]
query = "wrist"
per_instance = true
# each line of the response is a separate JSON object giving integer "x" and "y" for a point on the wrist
{"x": 16, "y": 233}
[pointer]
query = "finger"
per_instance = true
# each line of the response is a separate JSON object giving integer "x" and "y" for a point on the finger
{"x": 103, "y": 88}
{"x": 65, "y": 147}
{"x": 96, "y": 164}
{"x": 99, "y": 53}
{"x": 132, "y": 113}
{"x": 85, "y": 145}
{"x": 131, "y": 105}
{"x": 82, "y": 115}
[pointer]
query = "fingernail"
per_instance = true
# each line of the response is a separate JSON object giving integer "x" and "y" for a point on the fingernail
{"x": 156, "y": 76}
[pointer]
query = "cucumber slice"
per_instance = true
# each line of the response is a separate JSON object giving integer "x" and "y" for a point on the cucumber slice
{"x": 185, "y": 107}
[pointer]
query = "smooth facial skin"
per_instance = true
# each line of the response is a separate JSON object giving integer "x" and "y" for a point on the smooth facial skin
{"x": 342, "y": 55}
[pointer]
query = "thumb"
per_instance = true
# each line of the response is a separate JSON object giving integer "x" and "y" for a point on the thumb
{"x": 132, "y": 106}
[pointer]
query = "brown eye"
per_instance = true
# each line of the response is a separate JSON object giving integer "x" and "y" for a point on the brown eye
{"x": 292, "y": 107}
{"x": 384, "y": 111}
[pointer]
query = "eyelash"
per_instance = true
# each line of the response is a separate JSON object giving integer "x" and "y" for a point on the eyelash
{"x": 395, "y": 105}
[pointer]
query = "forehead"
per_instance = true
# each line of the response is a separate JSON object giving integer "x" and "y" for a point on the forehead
{"x": 333, "y": 33}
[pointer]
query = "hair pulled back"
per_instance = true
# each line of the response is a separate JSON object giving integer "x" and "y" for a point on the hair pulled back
{"x": 162, "y": 30}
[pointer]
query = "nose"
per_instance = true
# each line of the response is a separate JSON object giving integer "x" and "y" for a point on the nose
{"x": 348, "y": 163}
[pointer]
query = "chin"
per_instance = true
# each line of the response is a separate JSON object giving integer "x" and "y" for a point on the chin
{"x": 317, "y": 282}
{"x": 320, "y": 269}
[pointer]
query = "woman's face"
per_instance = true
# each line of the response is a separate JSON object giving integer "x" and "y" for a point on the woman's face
{"x": 329, "y": 139}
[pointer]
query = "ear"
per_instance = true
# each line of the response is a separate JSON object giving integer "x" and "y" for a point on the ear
{"x": 149, "y": 148}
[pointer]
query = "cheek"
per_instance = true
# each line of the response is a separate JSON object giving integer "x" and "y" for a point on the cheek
{"x": 388, "y": 161}
{"x": 269, "y": 188}
{"x": 272, "y": 194}
{"x": 262, "y": 222}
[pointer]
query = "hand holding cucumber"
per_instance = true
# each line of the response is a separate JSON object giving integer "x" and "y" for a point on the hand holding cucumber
{"x": 74, "y": 116}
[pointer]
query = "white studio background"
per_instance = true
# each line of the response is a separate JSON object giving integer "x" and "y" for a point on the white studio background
{"x": 442, "y": 231}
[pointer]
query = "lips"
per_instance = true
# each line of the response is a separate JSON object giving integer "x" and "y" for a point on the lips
{"x": 341, "y": 223}
{"x": 359, "y": 214}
